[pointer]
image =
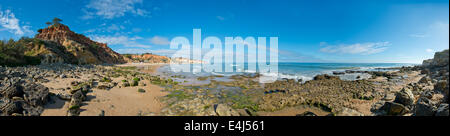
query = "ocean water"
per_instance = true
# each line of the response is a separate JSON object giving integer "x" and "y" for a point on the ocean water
{"x": 304, "y": 71}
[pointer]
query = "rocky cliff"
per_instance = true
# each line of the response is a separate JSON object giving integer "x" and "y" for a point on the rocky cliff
{"x": 152, "y": 58}
{"x": 440, "y": 60}
{"x": 147, "y": 58}
{"x": 61, "y": 45}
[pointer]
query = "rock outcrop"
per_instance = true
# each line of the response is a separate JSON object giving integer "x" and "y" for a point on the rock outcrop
{"x": 437, "y": 72}
{"x": 440, "y": 60}
{"x": 19, "y": 97}
{"x": 146, "y": 58}
{"x": 61, "y": 45}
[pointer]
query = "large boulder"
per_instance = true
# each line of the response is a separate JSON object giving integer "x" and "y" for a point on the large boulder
{"x": 35, "y": 94}
{"x": 383, "y": 108}
{"x": 425, "y": 107}
{"x": 22, "y": 97}
{"x": 442, "y": 86}
{"x": 75, "y": 103}
{"x": 8, "y": 107}
{"x": 11, "y": 89}
{"x": 405, "y": 97}
{"x": 325, "y": 76}
{"x": 440, "y": 60}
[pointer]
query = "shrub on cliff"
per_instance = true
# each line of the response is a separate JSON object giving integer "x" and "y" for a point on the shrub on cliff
{"x": 13, "y": 53}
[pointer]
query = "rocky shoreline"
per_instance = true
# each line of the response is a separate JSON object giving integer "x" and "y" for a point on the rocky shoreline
{"x": 407, "y": 91}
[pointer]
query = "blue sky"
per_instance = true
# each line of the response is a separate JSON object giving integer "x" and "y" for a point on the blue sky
{"x": 308, "y": 31}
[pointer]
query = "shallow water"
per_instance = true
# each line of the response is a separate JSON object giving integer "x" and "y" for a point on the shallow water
{"x": 303, "y": 71}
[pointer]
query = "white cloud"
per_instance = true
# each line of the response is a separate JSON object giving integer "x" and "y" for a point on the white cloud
{"x": 119, "y": 40}
{"x": 220, "y": 18}
{"x": 133, "y": 51}
{"x": 110, "y": 39}
{"x": 162, "y": 52}
{"x": 429, "y": 50}
{"x": 103, "y": 28}
{"x": 158, "y": 40}
{"x": 115, "y": 27}
{"x": 110, "y": 9}
{"x": 418, "y": 35}
{"x": 437, "y": 29}
{"x": 10, "y": 23}
{"x": 136, "y": 30}
{"x": 357, "y": 48}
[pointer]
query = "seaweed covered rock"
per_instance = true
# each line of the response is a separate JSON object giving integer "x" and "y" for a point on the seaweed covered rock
{"x": 325, "y": 92}
{"x": 325, "y": 76}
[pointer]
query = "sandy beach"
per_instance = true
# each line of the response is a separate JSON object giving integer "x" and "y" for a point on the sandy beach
{"x": 117, "y": 101}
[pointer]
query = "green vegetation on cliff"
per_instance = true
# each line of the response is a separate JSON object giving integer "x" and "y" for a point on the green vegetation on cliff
{"x": 16, "y": 53}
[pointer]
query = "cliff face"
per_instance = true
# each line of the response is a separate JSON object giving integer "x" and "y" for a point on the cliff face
{"x": 440, "y": 60}
{"x": 438, "y": 70}
{"x": 152, "y": 58}
{"x": 61, "y": 45}
{"x": 147, "y": 58}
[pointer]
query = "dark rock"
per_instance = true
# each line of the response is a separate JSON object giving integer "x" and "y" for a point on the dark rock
{"x": 442, "y": 110}
{"x": 8, "y": 107}
{"x": 77, "y": 98}
{"x": 427, "y": 94}
{"x": 35, "y": 94}
{"x": 405, "y": 97}
{"x": 74, "y": 83}
{"x": 325, "y": 76}
{"x": 442, "y": 86}
{"x": 244, "y": 112}
{"x": 425, "y": 80}
{"x": 307, "y": 113}
{"x": 396, "y": 109}
{"x": 425, "y": 71}
{"x": 425, "y": 107}
{"x": 338, "y": 73}
{"x": 73, "y": 111}
{"x": 389, "y": 108}
{"x": 30, "y": 110}
{"x": 11, "y": 89}
{"x": 62, "y": 96}
{"x": 102, "y": 113}
{"x": 125, "y": 84}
